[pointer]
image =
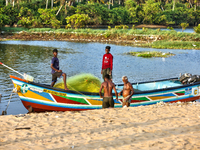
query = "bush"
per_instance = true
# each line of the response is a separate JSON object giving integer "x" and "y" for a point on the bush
{"x": 26, "y": 17}
{"x": 184, "y": 26}
{"x": 36, "y": 23}
{"x": 68, "y": 26}
{"x": 78, "y": 20}
{"x": 8, "y": 15}
{"x": 4, "y": 19}
{"x": 107, "y": 34}
{"x": 170, "y": 28}
{"x": 125, "y": 27}
{"x": 197, "y": 29}
{"x": 25, "y": 22}
{"x": 119, "y": 27}
{"x": 48, "y": 17}
{"x": 109, "y": 27}
{"x": 144, "y": 29}
{"x": 133, "y": 27}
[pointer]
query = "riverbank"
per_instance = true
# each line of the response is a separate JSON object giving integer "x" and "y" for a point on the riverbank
{"x": 141, "y": 38}
{"x": 169, "y": 126}
{"x": 129, "y": 25}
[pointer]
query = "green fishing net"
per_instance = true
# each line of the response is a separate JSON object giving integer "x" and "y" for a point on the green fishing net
{"x": 84, "y": 82}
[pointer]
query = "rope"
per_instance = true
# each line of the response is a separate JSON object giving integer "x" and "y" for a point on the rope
{"x": 13, "y": 91}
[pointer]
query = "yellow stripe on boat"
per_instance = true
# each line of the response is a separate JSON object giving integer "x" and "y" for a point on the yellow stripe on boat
{"x": 33, "y": 95}
{"x": 159, "y": 97}
{"x": 94, "y": 102}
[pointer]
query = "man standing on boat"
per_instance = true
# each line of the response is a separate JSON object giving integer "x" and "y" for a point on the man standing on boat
{"x": 127, "y": 92}
{"x": 108, "y": 86}
{"x": 56, "y": 73}
{"x": 107, "y": 63}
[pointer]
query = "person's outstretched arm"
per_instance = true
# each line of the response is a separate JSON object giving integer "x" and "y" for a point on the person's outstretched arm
{"x": 119, "y": 94}
{"x": 132, "y": 90}
{"x": 115, "y": 92}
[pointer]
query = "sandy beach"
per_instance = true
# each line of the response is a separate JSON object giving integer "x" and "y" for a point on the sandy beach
{"x": 161, "y": 126}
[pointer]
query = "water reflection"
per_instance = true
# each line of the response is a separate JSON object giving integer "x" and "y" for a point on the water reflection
{"x": 34, "y": 58}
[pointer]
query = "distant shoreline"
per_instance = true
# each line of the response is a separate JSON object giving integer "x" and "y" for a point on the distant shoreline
{"x": 152, "y": 38}
{"x": 139, "y": 26}
{"x": 130, "y": 26}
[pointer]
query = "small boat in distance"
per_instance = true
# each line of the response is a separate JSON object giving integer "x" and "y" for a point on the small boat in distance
{"x": 42, "y": 97}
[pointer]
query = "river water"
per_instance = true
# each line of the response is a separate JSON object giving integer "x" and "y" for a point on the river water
{"x": 34, "y": 58}
{"x": 187, "y": 30}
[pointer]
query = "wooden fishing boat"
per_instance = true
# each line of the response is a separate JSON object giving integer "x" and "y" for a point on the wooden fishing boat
{"x": 42, "y": 97}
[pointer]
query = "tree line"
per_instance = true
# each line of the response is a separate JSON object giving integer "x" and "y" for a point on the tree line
{"x": 77, "y": 14}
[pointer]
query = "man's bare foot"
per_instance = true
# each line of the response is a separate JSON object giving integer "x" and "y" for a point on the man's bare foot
{"x": 66, "y": 89}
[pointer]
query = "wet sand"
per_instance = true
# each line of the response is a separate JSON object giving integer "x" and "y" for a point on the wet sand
{"x": 161, "y": 126}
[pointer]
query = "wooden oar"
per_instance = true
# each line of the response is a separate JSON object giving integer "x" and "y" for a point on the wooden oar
{"x": 25, "y": 76}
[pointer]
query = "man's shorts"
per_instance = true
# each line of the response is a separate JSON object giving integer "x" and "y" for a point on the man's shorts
{"x": 106, "y": 71}
{"x": 56, "y": 75}
{"x": 108, "y": 102}
{"x": 128, "y": 100}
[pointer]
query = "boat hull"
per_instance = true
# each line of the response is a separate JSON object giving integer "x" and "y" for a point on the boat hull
{"x": 42, "y": 98}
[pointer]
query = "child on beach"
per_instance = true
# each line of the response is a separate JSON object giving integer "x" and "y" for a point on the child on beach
{"x": 55, "y": 70}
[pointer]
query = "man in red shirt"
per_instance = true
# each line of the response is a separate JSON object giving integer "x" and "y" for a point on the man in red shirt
{"x": 107, "y": 63}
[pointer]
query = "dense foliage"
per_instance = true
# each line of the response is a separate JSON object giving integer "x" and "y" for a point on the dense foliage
{"x": 37, "y": 13}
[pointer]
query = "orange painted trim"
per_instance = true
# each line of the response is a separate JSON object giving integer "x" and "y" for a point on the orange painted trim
{"x": 13, "y": 77}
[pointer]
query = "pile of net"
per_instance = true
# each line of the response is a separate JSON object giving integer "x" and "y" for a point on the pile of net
{"x": 84, "y": 82}
{"x": 188, "y": 78}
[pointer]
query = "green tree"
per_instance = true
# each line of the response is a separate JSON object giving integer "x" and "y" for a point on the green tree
{"x": 180, "y": 14}
{"x": 9, "y": 15}
{"x": 48, "y": 17}
{"x": 118, "y": 15}
{"x": 184, "y": 26}
{"x": 26, "y": 17}
{"x": 197, "y": 29}
{"x": 97, "y": 13}
{"x": 135, "y": 11}
{"x": 153, "y": 13}
{"x": 77, "y": 20}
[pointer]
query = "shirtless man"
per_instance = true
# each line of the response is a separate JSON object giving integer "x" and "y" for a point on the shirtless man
{"x": 127, "y": 92}
{"x": 108, "y": 85}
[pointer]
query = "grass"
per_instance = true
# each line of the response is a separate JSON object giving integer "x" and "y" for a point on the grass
{"x": 13, "y": 29}
{"x": 149, "y": 54}
{"x": 176, "y": 45}
{"x": 167, "y": 39}
{"x": 166, "y": 35}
